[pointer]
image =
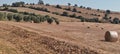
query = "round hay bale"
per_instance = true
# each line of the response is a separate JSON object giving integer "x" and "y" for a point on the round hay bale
{"x": 111, "y": 36}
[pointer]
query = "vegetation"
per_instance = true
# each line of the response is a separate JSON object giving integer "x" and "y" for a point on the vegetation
{"x": 74, "y": 10}
{"x": 58, "y": 6}
{"x": 39, "y": 8}
{"x": 40, "y": 2}
{"x": 64, "y": 14}
{"x": 18, "y": 4}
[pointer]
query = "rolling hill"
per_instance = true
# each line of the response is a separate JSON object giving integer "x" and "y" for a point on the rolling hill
{"x": 71, "y": 36}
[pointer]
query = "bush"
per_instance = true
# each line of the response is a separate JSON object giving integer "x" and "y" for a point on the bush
{"x": 88, "y": 8}
{"x": 64, "y": 14}
{"x": 18, "y": 4}
{"x": 68, "y": 9}
{"x": 9, "y": 16}
{"x": 56, "y": 21}
{"x": 116, "y": 21}
{"x": 75, "y": 5}
{"x": 18, "y": 17}
{"x": 73, "y": 15}
{"x": 74, "y": 10}
{"x": 58, "y": 6}
{"x": 47, "y": 4}
{"x": 50, "y": 20}
{"x": 13, "y": 10}
{"x": 2, "y": 16}
{"x": 55, "y": 13}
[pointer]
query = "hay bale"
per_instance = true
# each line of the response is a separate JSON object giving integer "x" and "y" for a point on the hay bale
{"x": 111, "y": 36}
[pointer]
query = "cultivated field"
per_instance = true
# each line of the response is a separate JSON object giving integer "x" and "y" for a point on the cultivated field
{"x": 66, "y": 38}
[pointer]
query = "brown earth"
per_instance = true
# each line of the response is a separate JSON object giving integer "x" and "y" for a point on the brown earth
{"x": 66, "y": 38}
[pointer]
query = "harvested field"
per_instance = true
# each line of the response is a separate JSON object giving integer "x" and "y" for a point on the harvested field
{"x": 74, "y": 38}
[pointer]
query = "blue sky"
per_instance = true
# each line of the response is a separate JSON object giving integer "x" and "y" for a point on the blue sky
{"x": 113, "y": 5}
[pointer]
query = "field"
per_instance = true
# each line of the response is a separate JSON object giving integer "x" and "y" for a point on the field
{"x": 68, "y": 37}
{"x": 71, "y": 36}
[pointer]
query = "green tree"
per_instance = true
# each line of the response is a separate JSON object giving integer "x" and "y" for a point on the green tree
{"x": 69, "y": 4}
{"x": 50, "y": 20}
{"x": 9, "y": 16}
{"x": 74, "y": 10}
{"x": 18, "y": 17}
{"x": 64, "y": 14}
{"x": 1, "y": 16}
{"x": 40, "y": 2}
{"x": 116, "y": 21}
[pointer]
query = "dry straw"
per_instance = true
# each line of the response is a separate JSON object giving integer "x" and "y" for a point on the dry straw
{"x": 111, "y": 36}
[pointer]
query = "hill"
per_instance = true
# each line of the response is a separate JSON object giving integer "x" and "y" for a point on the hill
{"x": 24, "y": 30}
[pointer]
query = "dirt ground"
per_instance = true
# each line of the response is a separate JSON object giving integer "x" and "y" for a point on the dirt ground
{"x": 66, "y": 38}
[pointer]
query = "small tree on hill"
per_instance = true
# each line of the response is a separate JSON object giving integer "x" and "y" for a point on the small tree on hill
{"x": 75, "y": 5}
{"x": 69, "y": 4}
{"x": 50, "y": 20}
{"x": 40, "y": 2}
{"x": 116, "y": 21}
{"x": 65, "y": 14}
{"x": 58, "y": 6}
{"x": 9, "y": 16}
{"x": 74, "y": 10}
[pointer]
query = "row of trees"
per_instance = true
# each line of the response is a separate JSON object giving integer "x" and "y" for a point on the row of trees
{"x": 28, "y": 18}
{"x": 39, "y": 8}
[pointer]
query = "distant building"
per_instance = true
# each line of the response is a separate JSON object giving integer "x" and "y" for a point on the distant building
{"x": 40, "y": 2}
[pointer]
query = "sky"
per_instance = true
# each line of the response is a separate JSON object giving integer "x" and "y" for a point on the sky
{"x": 113, "y": 5}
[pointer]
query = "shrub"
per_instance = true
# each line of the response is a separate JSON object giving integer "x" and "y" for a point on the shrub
{"x": 64, "y": 14}
{"x": 73, "y": 15}
{"x": 47, "y": 4}
{"x": 1, "y": 16}
{"x": 26, "y": 18}
{"x": 9, "y": 16}
{"x": 55, "y": 13}
{"x": 40, "y": 2}
{"x": 56, "y": 21}
{"x": 49, "y": 20}
{"x": 18, "y": 4}
{"x": 13, "y": 10}
{"x": 88, "y": 8}
{"x": 75, "y": 5}
{"x": 69, "y": 9}
{"x": 74, "y": 10}
{"x": 108, "y": 11}
{"x": 116, "y": 21}
{"x": 69, "y": 4}
{"x": 58, "y": 6}
{"x": 18, "y": 17}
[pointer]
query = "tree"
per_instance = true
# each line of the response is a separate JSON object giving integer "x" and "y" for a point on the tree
{"x": 74, "y": 10}
{"x": 81, "y": 6}
{"x": 1, "y": 16}
{"x": 73, "y": 15}
{"x": 49, "y": 20}
{"x": 18, "y": 17}
{"x": 58, "y": 6}
{"x": 108, "y": 11}
{"x": 75, "y": 5}
{"x": 18, "y": 4}
{"x": 116, "y": 21}
{"x": 5, "y": 5}
{"x": 64, "y": 14}
{"x": 9, "y": 16}
{"x": 40, "y": 2}
{"x": 56, "y": 20}
{"x": 69, "y": 4}
{"x": 69, "y": 9}
{"x": 47, "y": 4}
